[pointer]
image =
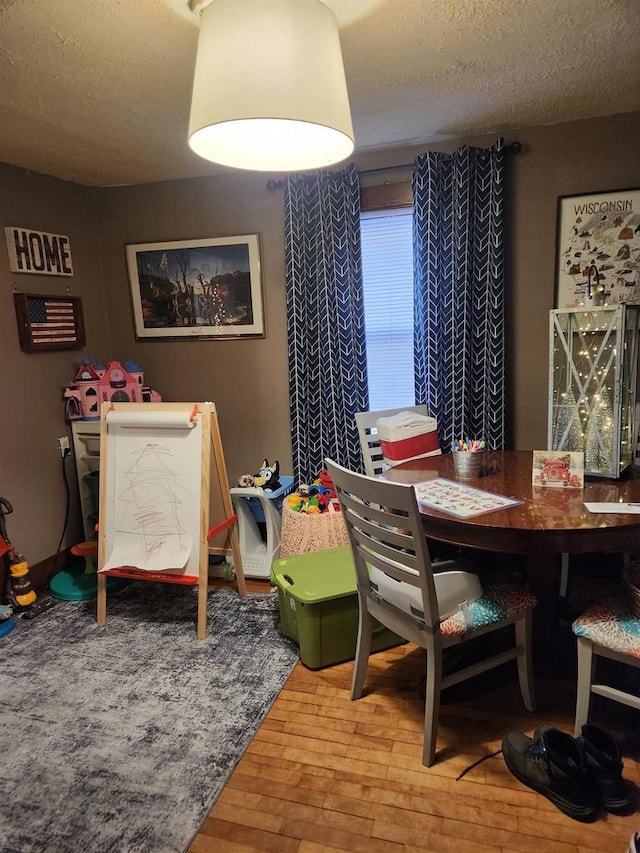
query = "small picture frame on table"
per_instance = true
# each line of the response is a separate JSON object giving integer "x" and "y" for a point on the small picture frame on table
{"x": 558, "y": 469}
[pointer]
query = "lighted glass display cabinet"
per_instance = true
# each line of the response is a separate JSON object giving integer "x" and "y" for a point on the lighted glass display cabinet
{"x": 593, "y": 364}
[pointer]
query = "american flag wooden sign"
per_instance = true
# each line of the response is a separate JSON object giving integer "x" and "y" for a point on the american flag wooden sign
{"x": 49, "y": 322}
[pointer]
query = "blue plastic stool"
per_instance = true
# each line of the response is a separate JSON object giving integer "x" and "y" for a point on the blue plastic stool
{"x": 80, "y": 583}
{"x": 7, "y": 626}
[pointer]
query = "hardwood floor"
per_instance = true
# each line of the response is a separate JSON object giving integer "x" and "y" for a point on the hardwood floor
{"x": 326, "y": 773}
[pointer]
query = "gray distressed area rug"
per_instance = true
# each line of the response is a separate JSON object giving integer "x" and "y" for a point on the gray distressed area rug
{"x": 120, "y": 738}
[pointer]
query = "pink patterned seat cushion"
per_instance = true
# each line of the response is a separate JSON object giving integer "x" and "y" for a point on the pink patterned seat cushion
{"x": 497, "y": 603}
{"x": 612, "y": 624}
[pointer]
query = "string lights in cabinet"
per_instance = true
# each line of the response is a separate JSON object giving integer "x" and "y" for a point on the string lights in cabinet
{"x": 592, "y": 385}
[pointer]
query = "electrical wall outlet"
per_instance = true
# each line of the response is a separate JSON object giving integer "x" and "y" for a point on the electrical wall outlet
{"x": 63, "y": 446}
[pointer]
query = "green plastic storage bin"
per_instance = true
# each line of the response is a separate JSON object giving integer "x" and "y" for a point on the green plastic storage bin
{"x": 319, "y": 607}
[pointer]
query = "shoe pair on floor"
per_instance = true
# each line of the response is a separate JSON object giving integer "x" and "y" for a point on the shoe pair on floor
{"x": 580, "y": 775}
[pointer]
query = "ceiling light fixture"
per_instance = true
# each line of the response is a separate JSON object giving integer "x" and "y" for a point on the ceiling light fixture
{"x": 269, "y": 91}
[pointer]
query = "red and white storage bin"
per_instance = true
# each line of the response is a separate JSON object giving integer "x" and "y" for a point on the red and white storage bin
{"x": 407, "y": 435}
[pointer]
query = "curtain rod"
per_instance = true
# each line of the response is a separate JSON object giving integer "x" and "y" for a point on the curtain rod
{"x": 513, "y": 148}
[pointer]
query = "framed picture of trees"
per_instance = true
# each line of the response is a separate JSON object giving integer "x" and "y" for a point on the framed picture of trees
{"x": 205, "y": 289}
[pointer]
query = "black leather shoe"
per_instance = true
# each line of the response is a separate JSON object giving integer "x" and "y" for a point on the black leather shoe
{"x": 604, "y": 765}
{"x": 552, "y": 764}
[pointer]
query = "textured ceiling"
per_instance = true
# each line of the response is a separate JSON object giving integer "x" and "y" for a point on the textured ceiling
{"x": 98, "y": 91}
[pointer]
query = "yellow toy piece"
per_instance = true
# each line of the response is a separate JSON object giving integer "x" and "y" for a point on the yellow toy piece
{"x": 21, "y": 587}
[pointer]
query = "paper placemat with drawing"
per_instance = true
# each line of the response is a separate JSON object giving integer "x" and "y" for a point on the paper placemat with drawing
{"x": 459, "y": 499}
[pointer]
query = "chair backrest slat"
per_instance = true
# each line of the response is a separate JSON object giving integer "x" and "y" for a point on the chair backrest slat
{"x": 394, "y": 542}
{"x": 399, "y": 573}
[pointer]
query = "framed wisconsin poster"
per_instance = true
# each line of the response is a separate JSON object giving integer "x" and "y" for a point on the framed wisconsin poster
{"x": 598, "y": 242}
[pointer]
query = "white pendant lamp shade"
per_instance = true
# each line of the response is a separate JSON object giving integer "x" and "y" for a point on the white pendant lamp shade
{"x": 269, "y": 91}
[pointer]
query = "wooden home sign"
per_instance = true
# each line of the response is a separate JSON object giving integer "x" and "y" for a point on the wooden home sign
{"x": 38, "y": 252}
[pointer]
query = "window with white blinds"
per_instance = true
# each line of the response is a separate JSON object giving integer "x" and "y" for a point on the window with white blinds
{"x": 387, "y": 268}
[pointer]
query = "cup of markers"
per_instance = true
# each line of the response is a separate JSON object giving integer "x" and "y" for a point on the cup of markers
{"x": 467, "y": 455}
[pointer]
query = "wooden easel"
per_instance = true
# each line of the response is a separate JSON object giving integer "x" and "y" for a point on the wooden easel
{"x": 215, "y": 504}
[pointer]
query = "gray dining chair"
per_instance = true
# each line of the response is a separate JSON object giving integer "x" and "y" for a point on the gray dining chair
{"x": 608, "y": 629}
{"x": 396, "y": 586}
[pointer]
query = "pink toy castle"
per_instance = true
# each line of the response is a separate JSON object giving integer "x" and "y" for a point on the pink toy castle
{"x": 94, "y": 384}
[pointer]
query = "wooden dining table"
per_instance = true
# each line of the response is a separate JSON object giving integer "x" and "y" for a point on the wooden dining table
{"x": 547, "y": 519}
{"x": 549, "y": 527}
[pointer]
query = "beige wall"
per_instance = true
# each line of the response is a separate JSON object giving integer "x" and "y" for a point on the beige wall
{"x": 565, "y": 159}
{"x": 248, "y": 379}
{"x": 31, "y": 475}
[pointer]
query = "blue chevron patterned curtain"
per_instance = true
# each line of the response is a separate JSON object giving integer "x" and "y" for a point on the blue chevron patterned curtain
{"x": 325, "y": 319}
{"x": 459, "y": 292}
